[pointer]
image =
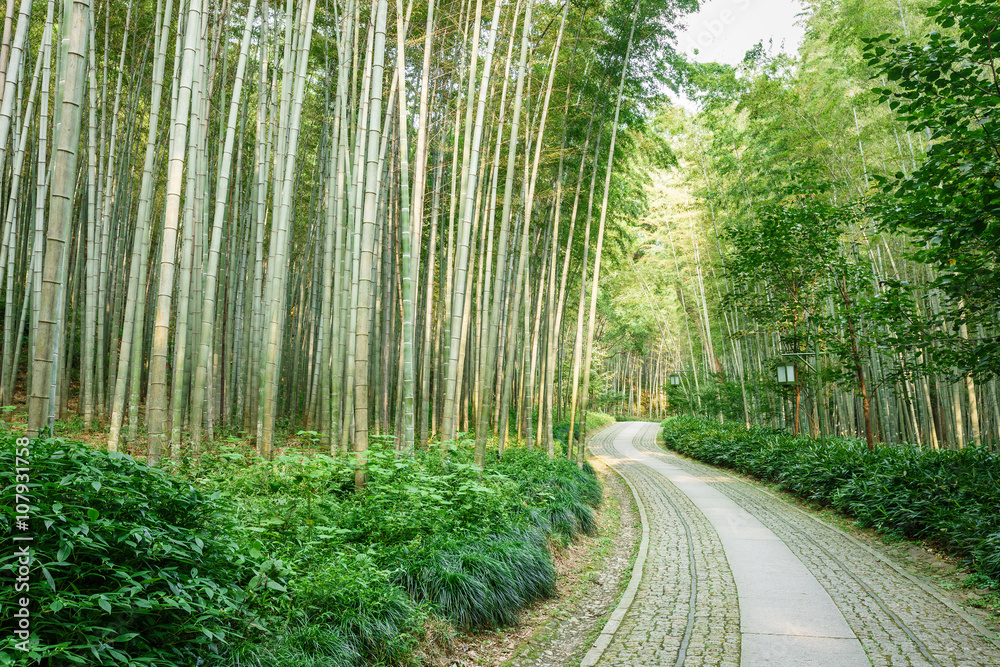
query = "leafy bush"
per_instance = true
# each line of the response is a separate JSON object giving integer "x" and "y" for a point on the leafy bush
{"x": 558, "y": 496}
{"x": 409, "y": 498}
{"x": 281, "y": 562}
{"x": 947, "y": 497}
{"x": 430, "y": 532}
{"x": 342, "y": 610}
{"x": 719, "y": 396}
{"x": 493, "y": 560}
{"x": 298, "y": 502}
{"x": 482, "y": 582}
{"x": 131, "y": 566}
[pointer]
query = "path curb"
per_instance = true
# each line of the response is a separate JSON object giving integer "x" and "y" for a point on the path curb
{"x": 618, "y": 615}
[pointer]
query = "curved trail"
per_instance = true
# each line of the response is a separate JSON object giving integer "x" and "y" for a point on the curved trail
{"x": 731, "y": 575}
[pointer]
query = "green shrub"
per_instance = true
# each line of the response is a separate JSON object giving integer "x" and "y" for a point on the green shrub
{"x": 281, "y": 562}
{"x": 946, "y": 497}
{"x": 558, "y": 497}
{"x": 301, "y": 643}
{"x": 469, "y": 543}
{"x": 300, "y": 500}
{"x": 408, "y": 498}
{"x": 131, "y": 566}
{"x": 341, "y": 610}
{"x": 484, "y": 582}
{"x": 598, "y": 419}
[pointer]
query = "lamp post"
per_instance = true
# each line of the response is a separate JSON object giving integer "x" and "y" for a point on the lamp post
{"x": 786, "y": 376}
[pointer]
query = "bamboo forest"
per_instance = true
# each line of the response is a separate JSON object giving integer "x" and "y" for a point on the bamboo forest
{"x": 325, "y": 322}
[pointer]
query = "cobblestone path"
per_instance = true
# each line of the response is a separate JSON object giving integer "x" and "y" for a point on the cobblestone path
{"x": 810, "y": 593}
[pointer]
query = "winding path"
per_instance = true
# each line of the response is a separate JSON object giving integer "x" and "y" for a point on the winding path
{"x": 730, "y": 575}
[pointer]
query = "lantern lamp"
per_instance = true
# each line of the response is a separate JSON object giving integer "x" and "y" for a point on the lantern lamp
{"x": 786, "y": 374}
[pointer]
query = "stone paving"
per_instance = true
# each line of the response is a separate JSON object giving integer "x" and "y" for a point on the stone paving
{"x": 655, "y": 626}
{"x": 686, "y": 609}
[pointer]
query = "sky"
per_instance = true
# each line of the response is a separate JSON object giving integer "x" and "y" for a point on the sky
{"x": 724, "y": 30}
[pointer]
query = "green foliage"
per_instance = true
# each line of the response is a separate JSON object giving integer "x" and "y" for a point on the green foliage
{"x": 947, "y": 88}
{"x": 281, "y": 562}
{"x": 598, "y": 420}
{"x": 325, "y": 595}
{"x": 350, "y": 577}
{"x": 720, "y": 396}
{"x": 947, "y": 497}
{"x": 787, "y": 248}
{"x": 595, "y": 420}
{"x": 557, "y": 496}
{"x": 411, "y": 498}
{"x": 792, "y": 275}
{"x": 480, "y": 582}
{"x": 131, "y": 565}
{"x": 341, "y": 610}
{"x": 485, "y": 568}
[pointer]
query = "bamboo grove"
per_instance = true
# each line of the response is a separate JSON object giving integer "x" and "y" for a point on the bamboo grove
{"x": 833, "y": 211}
{"x": 356, "y": 219}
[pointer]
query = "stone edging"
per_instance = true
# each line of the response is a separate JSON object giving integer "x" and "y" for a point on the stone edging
{"x": 608, "y": 633}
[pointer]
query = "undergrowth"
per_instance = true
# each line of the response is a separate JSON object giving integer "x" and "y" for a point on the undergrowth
{"x": 234, "y": 560}
{"x": 130, "y": 565}
{"x": 595, "y": 420}
{"x": 948, "y": 498}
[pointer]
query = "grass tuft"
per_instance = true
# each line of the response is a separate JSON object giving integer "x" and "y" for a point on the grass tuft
{"x": 483, "y": 583}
